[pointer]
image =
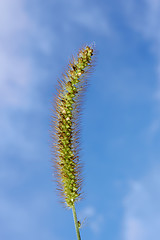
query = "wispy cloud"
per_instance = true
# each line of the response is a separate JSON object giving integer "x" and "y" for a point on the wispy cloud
{"x": 143, "y": 17}
{"x": 21, "y": 35}
{"x": 92, "y": 218}
{"x": 92, "y": 19}
{"x": 86, "y": 16}
{"x": 142, "y": 210}
{"x": 20, "y": 32}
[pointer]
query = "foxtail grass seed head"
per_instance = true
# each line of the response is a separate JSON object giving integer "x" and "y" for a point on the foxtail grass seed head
{"x": 66, "y": 125}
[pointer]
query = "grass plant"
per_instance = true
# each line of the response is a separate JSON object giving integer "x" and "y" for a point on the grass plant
{"x": 66, "y": 131}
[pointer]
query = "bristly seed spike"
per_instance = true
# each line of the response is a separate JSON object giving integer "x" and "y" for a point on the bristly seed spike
{"x": 66, "y": 125}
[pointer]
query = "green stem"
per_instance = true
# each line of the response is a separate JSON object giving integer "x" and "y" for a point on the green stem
{"x": 76, "y": 222}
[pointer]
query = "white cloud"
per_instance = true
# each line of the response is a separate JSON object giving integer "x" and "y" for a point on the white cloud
{"x": 143, "y": 16}
{"x": 88, "y": 16}
{"x": 93, "y": 19}
{"x": 21, "y": 35}
{"x": 20, "y": 32}
{"x": 91, "y": 218}
{"x": 142, "y": 209}
{"x": 15, "y": 70}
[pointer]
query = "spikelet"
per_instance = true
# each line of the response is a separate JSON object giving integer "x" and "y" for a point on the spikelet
{"x": 66, "y": 125}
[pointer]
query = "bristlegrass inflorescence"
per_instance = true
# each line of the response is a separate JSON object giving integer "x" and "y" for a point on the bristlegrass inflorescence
{"x": 66, "y": 125}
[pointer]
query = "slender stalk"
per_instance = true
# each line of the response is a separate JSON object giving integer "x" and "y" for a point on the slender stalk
{"x": 76, "y": 223}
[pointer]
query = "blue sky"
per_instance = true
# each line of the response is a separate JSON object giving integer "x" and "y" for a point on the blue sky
{"x": 121, "y": 120}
